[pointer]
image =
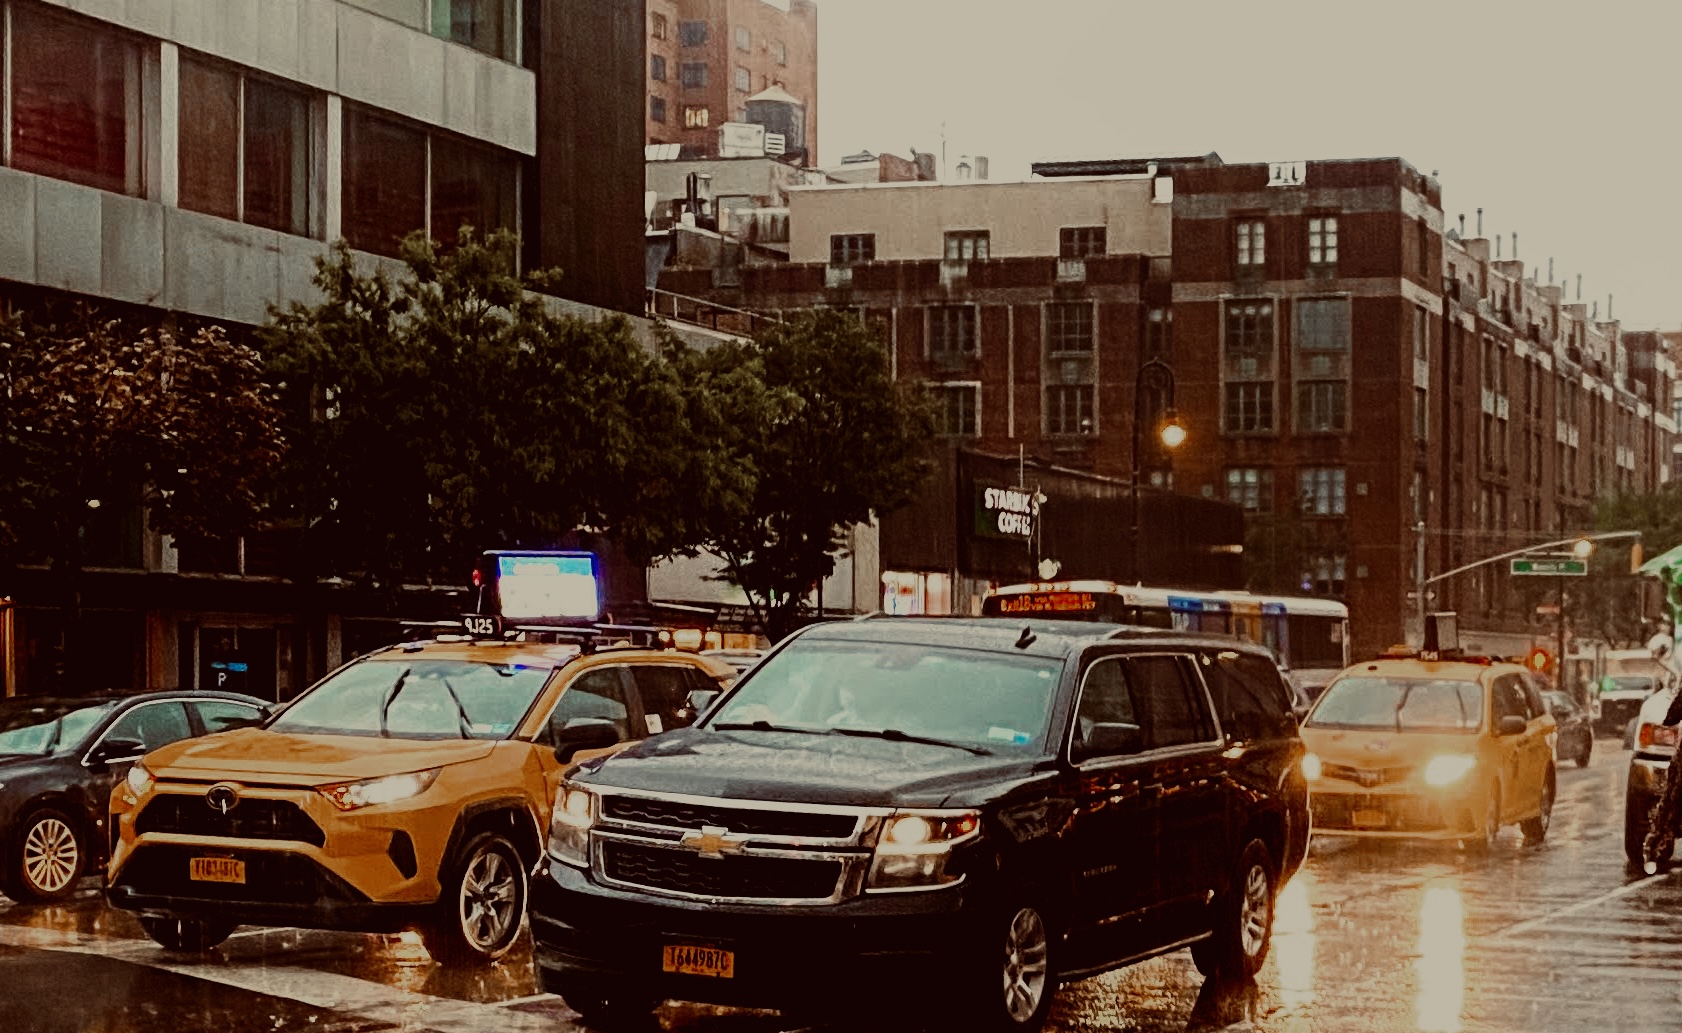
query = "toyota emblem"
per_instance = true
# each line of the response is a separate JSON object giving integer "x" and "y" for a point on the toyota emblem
{"x": 222, "y": 797}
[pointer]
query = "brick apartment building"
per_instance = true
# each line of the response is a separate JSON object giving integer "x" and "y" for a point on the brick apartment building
{"x": 1341, "y": 364}
{"x": 707, "y": 59}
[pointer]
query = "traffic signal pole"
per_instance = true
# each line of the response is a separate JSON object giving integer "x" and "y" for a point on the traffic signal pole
{"x": 1598, "y": 536}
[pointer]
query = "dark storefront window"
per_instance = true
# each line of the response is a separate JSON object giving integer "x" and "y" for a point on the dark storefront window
{"x": 75, "y": 102}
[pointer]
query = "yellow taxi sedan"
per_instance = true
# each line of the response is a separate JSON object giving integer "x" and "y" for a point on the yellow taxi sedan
{"x": 1440, "y": 749}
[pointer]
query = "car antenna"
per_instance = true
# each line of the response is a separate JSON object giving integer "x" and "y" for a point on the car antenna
{"x": 1026, "y": 639}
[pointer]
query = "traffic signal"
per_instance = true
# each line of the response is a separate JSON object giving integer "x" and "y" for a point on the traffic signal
{"x": 1539, "y": 660}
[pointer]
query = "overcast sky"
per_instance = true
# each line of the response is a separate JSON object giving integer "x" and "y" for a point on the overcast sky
{"x": 1560, "y": 120}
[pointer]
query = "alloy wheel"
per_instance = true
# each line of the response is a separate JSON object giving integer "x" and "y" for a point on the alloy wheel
{"x": 1254, "y": 911}
{"x": 489, "y": 896}
{"x": 51, "y": 856}
{"x": 1025, "y": 967}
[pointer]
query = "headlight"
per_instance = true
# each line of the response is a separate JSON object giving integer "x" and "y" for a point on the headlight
{"x": 914, "y": 847}
{"x": 1310, "y": 766}
{"x": 348, "y": 796}
{"x": 569, "y": 826}
{"x": 139, "y": 780}
{"x": 1449, "y": 769}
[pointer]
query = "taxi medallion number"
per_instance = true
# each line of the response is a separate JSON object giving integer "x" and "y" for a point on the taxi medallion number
{"x": 217, "y": 869}
{"x": 1369, "y": 818}
{"x": 686, "y": 959}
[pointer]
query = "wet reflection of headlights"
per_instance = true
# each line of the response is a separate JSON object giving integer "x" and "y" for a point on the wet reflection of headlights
{"x": 1448, "y": 769}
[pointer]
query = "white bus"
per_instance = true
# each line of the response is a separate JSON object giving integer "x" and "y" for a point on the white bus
{"x": 1310, "y": 636}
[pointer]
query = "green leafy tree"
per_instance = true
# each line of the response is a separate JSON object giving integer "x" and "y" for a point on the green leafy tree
{"x": 833, "y": 440}
{"x": 451, "y": 409}
{"x": 1611, "y": 604}
{"x": 104, "y": 416}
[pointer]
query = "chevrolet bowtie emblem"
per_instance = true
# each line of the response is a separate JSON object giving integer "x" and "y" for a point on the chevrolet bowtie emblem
{"x": 712, "y": 842}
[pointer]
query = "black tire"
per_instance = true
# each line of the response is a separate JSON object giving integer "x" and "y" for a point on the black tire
{"x": 186, "y": 935}
{"x": 47, "y": 857}
{"x": 1536, "y": 829}
{"x": 1588, "y": 751}
{"x": 482, "y": 905}
{"x": 1629, "y": 735}
{"x": 1243, "y": 918}
{"x": 1638, "y": 813}
{"x": 601, "y": 1006}
{"x": 1011, "y": 964}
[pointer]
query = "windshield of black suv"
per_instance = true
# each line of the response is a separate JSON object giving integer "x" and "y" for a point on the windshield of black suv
{"x": 34, "y": 728}
{"x": 1400, "y": 705}
{"x": 416, "y": 698}
{"x": 981, "y": 699}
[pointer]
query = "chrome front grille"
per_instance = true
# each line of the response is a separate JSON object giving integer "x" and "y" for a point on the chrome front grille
{"x": 733, "y": 850}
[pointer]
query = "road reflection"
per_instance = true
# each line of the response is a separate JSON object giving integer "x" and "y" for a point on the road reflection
{"x": 1293, "y": 943}
{"x": 1441, "y": 962}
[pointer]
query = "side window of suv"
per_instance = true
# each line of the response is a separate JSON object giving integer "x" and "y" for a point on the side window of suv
{"x": 1170, "y": 701}
{"x": 1105, "y": 714}
{"x": 598, "y": 694}
{"x": 1251, "y": 699}
{"x": 152, "y": 724}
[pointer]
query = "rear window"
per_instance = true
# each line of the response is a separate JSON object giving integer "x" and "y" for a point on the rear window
{"x": 1400, "y": 704}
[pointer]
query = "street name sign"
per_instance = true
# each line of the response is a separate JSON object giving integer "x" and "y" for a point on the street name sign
{"x": 1554, "y": 567}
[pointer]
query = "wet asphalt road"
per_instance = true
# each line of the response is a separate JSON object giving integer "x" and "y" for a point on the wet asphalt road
{"x": 1369, "y": 937}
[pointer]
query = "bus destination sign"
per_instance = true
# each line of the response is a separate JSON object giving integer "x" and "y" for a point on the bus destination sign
{"x": 1047, "y": 602}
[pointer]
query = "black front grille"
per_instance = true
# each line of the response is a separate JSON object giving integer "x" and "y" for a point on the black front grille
{"x": 751, "y": 877}
{"x": 164, "y": 869}
{"x": 251, "y": 818}
{"x": 742, "y": 821}
{"x": 1367, "y": 776}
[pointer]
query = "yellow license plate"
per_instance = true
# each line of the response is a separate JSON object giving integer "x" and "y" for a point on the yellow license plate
{"x": 699, "y": 961}
{"x": 217, "y": 869}
{"x": 1369, "y": 818}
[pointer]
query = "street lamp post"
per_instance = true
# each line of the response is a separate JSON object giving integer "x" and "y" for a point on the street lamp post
{"x": 1170, "y": 431}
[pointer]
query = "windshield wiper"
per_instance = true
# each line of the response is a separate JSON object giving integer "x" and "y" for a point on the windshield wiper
{"x": 464, "y": 726}
{"x": 895, "y": 735}
{"x": 390, "y": 696}
{"x": 766, "y": 726}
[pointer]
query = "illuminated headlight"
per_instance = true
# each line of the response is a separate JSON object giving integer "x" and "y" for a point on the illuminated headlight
{"x": 569, "y": 827}
{"x": 914, "y": 847}
{"x": 1310, "y": 766}
{"x": 138, "y": 783}
{"x": 1449, "y": 769}
{"x": 349, "y": 796}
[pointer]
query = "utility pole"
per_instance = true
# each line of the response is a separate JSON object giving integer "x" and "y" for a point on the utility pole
{"x": 1560, "y": 665}
{"x": 1419, "y": 578}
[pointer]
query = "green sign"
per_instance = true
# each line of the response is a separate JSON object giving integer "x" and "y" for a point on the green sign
{"x": 1557, "y": 568}
{"x": 1005, "y": 512}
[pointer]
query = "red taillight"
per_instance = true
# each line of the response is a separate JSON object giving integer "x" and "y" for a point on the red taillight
{"x": 1657, "y": 735}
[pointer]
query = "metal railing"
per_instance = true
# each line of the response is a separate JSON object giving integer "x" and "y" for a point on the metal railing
{"x": 681, "y": 308}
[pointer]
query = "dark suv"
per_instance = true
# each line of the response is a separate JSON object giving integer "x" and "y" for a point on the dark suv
{"x": 980, "y": 805}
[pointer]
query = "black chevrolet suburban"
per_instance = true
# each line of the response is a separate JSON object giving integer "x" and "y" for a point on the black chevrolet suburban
{"x": 981, "y": 808}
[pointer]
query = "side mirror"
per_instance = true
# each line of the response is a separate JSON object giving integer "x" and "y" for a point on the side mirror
{"x": 584, "y": 733}
{"x": 117, "y": 751}
{"x": 1111, "y": 738}
{"x": 1512, "y": 724}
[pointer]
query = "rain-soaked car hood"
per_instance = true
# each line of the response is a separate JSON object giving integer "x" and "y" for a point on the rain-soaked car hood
{"x": 307, "y": 759}
{"x": 801, "y": 768}
{"x": 1383, "y": 748}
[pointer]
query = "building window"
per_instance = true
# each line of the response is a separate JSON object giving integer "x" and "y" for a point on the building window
{"x": 692, "y": 34}
{"x": 1322, "y": 325}
{"x": 1249, "y": 329}
{"x": 958, "y": 410}
{"x": 1322, "y": 240}
{"x": 1322, "y": 407}
{"x": 75, "y": 93}
{"x": 1159, "y": 334}
{"x": 851, "y": 248}
{"x": 967, "y": 245}
{"x": 1421, "y": 414}
{"x": 952, "y": 330}
{"x": 384, "y": 181}
{"x": 695, "y": 117}
{"x": 659, "y": 27}
{"x": 744, "y": 39}
{"x": 265, "y": 182}
{"x": 744, "y": 79}
{"x": 1068, "y": 410}
{"x": 657, "y": 68}
{"x": 1250, "y": 487}
{"x": 657, "y": 109}
{"x": 1248, "y": 408}
{"x": 1325, "y": 574}
{"x": 1320, "y": 490}
{"x": 694, "y": 75}
{"x": 490, "y": 26}
{"x": 472, "y": 185}
{"x": 1252, "y": 244}
{"x": 1068, "y": 326}
{"x": 1081, "y": 241}
{"x": 781, "y": 50}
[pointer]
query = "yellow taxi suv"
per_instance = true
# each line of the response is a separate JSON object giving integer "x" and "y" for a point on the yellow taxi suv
{"x": 1452, "y": 748}
{"x": 408, "y": 789}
